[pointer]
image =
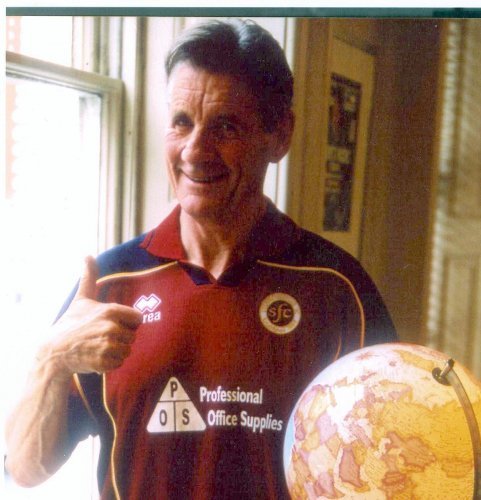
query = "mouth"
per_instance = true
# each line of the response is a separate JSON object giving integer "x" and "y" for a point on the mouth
{"x": 205, "y": 179}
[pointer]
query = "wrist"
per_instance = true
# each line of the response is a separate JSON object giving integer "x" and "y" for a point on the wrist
{"x": 50, "y": 363}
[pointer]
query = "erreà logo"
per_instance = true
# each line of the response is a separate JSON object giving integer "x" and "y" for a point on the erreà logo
{"x": 148, "y": 306}
{"x": 175, "y": 412}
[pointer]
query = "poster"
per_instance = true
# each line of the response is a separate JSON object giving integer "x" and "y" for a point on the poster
{"x": 345, "y": 99}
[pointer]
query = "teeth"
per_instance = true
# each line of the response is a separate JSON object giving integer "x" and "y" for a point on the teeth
{"x": 205, "y": 180}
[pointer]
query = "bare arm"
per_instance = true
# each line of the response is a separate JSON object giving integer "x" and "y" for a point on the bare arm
{"x": 36, "y": 430}
{"x": 89, "y": 337}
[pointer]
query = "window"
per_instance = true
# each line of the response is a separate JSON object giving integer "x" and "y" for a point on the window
{"x": 46, "y": 38}
{"x": 71, "y": 182}
{"x": 454, "y": 313}
{"x": 60, "y": 201}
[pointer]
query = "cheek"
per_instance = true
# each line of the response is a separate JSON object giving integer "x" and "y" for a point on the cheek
{"x": 252, "y": 161}
{"x": 173, "y": 149}
{"x": 239, "y": 153}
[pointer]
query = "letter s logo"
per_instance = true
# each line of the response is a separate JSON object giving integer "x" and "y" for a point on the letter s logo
{"x": 280, "y": 313}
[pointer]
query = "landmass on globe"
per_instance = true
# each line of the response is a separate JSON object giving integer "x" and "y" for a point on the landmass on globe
{"x": 375, "y": 424}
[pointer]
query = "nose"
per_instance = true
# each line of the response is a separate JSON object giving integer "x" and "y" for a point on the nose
{"x": 198, "y": 148}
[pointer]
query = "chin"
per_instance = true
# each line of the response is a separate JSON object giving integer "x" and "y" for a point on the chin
{"x": 205, "y": 210}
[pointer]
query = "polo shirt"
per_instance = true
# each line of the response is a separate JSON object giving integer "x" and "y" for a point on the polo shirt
{"x": 200, "y": 407}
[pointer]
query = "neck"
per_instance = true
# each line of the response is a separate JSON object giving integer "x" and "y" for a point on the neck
{"x": 218, "y": 242}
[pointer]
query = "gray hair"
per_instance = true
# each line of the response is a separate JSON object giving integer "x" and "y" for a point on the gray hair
{"x": 245, "y": 51}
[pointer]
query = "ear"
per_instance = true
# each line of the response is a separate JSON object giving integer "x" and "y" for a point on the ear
{"x": 282, "y": 137}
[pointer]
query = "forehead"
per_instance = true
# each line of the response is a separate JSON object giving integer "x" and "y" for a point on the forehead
{"x": 194, "y": 86}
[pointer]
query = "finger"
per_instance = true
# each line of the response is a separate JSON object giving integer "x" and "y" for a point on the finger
{"x": 127, "y": 316}
{"x": 113, "y": 359}
{"x": 87, "y": 288}
{"x": 107, "y": 365}
{"x": 124, "y": 336}
{"x": 120, "y": 352}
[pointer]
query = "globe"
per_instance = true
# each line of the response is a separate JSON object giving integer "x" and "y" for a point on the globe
{"x": 376, "y": 424}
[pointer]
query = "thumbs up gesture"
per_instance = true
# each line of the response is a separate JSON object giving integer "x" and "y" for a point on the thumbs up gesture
{"x": 87, "y": 287}
{"x": 92, "y": 336}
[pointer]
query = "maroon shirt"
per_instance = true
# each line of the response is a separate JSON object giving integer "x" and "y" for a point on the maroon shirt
{"x": 200, "y": 407}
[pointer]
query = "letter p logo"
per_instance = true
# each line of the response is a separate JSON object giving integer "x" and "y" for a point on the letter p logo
{"x": 173, "y": 388}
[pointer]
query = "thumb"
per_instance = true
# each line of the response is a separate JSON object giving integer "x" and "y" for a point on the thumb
{"x": 87, "y": 288}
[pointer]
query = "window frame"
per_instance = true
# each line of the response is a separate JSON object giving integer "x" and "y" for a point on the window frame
{"x": 111, "y": 92}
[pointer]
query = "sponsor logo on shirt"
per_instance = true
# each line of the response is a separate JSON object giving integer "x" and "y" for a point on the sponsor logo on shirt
{"x": 255, "y": 421}
{"x": 148, "y": 306}
{"x": 175, "y": 411}
{"x": 280, "y": 313}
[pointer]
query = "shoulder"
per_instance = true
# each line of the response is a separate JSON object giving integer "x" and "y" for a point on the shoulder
{"x": 311, "y": 250}
{"x": 128, "y": 256}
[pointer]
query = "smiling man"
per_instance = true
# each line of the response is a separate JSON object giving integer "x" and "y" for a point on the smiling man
{"x": 187, "y": 348}
{"x": 218, "y": 150}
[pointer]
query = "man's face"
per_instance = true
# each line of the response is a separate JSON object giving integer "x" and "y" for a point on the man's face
{"x": 216, "y": 147}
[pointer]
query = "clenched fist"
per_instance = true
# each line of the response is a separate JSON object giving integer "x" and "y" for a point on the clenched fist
{"x": 92, "y": 336}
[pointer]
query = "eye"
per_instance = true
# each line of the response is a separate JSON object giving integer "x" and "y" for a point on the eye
{"x": 181, "y": 121}
{"x": 226, "y": 129}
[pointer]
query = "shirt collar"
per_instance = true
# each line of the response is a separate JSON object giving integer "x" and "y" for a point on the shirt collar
{"x": 164, "y": 241}
{"x": 271, "y": 236}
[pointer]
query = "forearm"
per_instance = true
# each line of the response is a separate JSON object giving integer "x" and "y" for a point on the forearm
{"x": 36, "y": 431}
{"x": 90, "y": 337}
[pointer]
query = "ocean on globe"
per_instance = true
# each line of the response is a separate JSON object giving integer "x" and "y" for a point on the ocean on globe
{"x": 375, "y": 424}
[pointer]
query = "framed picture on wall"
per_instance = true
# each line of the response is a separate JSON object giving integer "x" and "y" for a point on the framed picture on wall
{"x": 345, "y": 98}
{"x": 351, "y": 83}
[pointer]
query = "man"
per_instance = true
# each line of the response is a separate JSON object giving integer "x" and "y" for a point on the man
{"x": 186, "y": 349}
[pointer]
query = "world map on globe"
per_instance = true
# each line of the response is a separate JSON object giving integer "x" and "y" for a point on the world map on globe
{"x": 375, "y": 424}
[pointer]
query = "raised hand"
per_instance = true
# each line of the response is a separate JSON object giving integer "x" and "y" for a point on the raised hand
{"x": 92, "y": 336}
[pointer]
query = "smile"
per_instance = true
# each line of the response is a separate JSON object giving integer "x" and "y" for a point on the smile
{"x": 205, "y": 179}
